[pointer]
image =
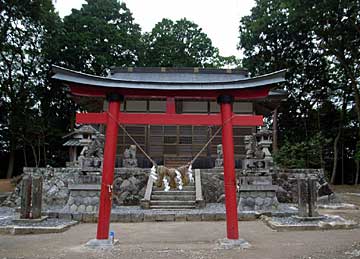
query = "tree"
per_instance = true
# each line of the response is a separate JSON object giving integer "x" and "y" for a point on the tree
{"x": 23, "y": 29}
{"x": 179, "y": 44}
{"x": 318, "y": 41}
{"x": 100, "y": 35}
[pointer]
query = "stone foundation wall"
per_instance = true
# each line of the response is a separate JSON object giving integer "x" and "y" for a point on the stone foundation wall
{"x": 259, "y": 200}
{"x": 129, "y": 185}
{"x": 213, "y": 183}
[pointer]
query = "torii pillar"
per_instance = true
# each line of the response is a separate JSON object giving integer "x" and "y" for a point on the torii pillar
{"x": 225, "y": 102}
{"x": 111, "y": 137}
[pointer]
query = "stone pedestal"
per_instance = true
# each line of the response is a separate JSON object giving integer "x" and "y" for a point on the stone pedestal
{"x": 219, "y": 163}
{"x": 256, "y": 193}
{"x": 83, "y": 198}
{"x": 130, "y": 163}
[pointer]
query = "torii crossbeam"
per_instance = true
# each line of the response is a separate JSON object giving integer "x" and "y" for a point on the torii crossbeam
{"x": 115, "y": 89}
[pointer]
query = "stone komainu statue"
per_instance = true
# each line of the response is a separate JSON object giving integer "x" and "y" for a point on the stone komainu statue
{"x": 91, "y": 156}
{"x": 130, "y": 157}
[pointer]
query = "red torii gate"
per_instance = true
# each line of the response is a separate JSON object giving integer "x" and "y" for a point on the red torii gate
{"x": 115, "y": 90}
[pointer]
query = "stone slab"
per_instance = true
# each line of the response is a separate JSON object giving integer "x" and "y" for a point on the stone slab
{"x": 19, "y": 220}
{"x": 193, "y": 217}
{"x": 232, "y": 244}
{"x": 180, "y": 217}
{"x": 332, "y": 222}
{"x": 338, "y": 206}
{"x": 165, "y": 217}
{"x": 33, "y": 229}
{"x": 101, "y": 243}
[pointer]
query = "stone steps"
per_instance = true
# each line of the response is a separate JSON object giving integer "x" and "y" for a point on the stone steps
{"x": 173, "y": 197}
{"x": 171, "y": 203}
{"x": 173, "y": 193}
{"x": 185, "y": 188}
{"x": 170, "y": 207}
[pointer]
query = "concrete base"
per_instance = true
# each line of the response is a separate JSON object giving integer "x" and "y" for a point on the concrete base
{"x": 292, "y": 224}
{"x": 19, "y": 220}
{"x": 320, "y": 217}
{"x": 338, "y": 206}
{"x": 233, "y": 244}
{"x": 101, "y": 243}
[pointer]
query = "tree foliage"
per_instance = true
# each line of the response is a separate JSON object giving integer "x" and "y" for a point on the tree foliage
{"x": 100, "y": 35}
{"x": 24, "y": 27}
{"x": 179, "y": 44}
{"x": 318, "y": 42}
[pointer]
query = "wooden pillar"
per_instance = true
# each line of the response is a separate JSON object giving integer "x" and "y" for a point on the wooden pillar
{"x": 108, "y": 166}
{"x": 225, "y": 102}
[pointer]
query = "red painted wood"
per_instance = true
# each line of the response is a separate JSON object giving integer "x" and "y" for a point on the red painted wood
{"x": 108, "y": 172}
{"x": 238, "y": 94}
{"x": 229, "y": 172}
{"x": 170, "y": 119}
{"x": 170, "y": 105}
{"x": 91, "y": 118}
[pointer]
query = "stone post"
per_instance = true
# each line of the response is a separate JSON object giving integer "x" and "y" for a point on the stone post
{"x": 302, "y": 197}
{"x": 36, "y": 196}
{"x": 312, "y": 196}
{"x": 25, "y": 203}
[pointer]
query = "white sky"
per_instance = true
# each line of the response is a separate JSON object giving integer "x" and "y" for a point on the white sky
{"x": 218, "y": 19}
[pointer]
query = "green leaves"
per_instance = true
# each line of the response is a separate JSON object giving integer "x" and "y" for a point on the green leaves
{"x": 179, "y": 44}
{"x": 100, "y": 35}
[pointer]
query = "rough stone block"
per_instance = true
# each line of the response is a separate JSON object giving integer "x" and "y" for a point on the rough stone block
{"x": 193, "y": 217}
{"x": 77, "y": 217}
{"x": 65, "y": 215}
{"x": 220, "y": 216}
{"x": 137, "y": 217}
{"x": 149, "y": 217}
{"x": 180, "y": 217}
{"x": 89, "y": 217}
{"x": 165, "y": 217}
{"x": 25, "y": 202}
{"x": 36, "y": 196}
{"x": 123, "y": 217}
{"x": 208, "y": 217}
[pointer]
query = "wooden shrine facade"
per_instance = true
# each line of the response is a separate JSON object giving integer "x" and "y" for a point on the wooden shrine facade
{"x": 224, "y": 86}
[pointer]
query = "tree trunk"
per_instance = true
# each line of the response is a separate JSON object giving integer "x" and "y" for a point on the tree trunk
{"x": 357, "y": 172}
{"x": 25, "y": 158}
{"x": 10, "y": 169}
{"x": 275, "y": 131}
{"x": 336, "y": 141}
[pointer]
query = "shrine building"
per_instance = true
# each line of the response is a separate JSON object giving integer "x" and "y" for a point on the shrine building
{"x": 174, "y": 145}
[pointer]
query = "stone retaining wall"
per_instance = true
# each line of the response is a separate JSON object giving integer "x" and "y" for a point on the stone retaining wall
{"x": 213, "y": 183}
{"x": 130, "y": 184}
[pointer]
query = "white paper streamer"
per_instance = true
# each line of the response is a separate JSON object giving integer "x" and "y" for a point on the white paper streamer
{"x": 166, "y": 184}
{"x": 179, "y": 180}
{"x": 153, "y": 173}
{"x": 190, "y": 175}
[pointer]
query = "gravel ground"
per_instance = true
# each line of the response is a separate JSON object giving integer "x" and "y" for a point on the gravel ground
{"x": 185, "y": 240}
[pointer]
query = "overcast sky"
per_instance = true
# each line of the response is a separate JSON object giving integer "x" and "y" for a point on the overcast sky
{"x": 218, "y": 19}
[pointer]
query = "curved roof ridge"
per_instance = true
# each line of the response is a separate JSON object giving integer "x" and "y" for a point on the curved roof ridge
{"x": 72, "y": 76}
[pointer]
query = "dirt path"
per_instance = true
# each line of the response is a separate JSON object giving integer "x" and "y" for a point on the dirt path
{"x": 191, "y": 240}
{"x": 184, "y": 240}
